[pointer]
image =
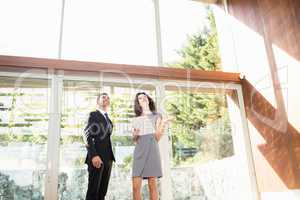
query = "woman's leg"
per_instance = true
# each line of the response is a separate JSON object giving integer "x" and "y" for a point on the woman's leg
{"x": 152, "y": 188}
{"x": 136, "y": 188}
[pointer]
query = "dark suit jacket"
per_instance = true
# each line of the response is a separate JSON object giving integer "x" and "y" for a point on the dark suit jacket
{"x": 97, "y": 137}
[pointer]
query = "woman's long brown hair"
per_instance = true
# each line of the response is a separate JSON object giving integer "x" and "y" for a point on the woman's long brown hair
{"x": 137, "y": 107}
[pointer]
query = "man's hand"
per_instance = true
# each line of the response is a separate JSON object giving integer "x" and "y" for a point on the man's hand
{"x": 96, "y": 161}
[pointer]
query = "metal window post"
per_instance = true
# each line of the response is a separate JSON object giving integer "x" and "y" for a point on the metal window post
{"x": 254, "y": 192}
{"x": 51, "y": 191}
{"x": 164, "y": 146}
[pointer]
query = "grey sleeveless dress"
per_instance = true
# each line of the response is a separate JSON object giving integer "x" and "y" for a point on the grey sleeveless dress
{"x": 146, "y": 157}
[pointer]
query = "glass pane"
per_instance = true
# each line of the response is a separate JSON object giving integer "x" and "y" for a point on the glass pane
{"x": 122, "y": 112}
{"x": 79, "y": 98}
{"x": 112, "y": 31}
{"x": 204, "y": 163}
{"x": 30, "y": 28}
{"x": 24, "y": 119}
{"x": 189, "y": 37}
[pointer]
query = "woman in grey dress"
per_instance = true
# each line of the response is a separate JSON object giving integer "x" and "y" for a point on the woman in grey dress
{"x": 148, "y": 128}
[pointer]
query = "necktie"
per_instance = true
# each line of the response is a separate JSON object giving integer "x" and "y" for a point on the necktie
{"x": 107, "y": 120}
{"x": 106, "y": 117}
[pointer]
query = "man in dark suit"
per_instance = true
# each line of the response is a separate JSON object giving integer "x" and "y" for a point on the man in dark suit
{"x": 99, "y": 149}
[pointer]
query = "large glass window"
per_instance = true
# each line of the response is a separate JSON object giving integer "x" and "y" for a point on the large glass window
{"x": 24, "y": 119}
{"x": 113, "y": 31}
{"x": 79, "y": 98}
{"x": 204, "y": 164}
{"x": 189, "y": 35}
{"x": 207, "y": 149}
{"x": 30, "y": 28}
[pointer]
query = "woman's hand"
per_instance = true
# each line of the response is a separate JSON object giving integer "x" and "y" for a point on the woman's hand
{"x": 166, "y": 120}
{"x": 136, "y": 134}
{"x": 161, "y": 125}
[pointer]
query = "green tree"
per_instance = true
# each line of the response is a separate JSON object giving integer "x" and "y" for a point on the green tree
{"x": 201, "y": 50}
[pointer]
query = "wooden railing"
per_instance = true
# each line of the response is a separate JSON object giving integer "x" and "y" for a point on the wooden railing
{"x": 156, "y": 72}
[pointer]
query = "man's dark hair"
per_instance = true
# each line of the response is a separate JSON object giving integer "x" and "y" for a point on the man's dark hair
{"x": 101, "y": 94}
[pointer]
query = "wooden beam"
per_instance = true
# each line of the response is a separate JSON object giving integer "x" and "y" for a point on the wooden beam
{"x": 206, "y": 1}
{"x": 134, "y": 70}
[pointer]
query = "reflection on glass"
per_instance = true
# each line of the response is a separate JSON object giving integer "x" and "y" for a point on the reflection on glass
{"x": 202, "y": 147}
{"x": 23, "y": 137}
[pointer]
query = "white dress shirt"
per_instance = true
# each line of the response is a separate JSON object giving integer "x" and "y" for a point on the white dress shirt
{"x": 103, "y": 113}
